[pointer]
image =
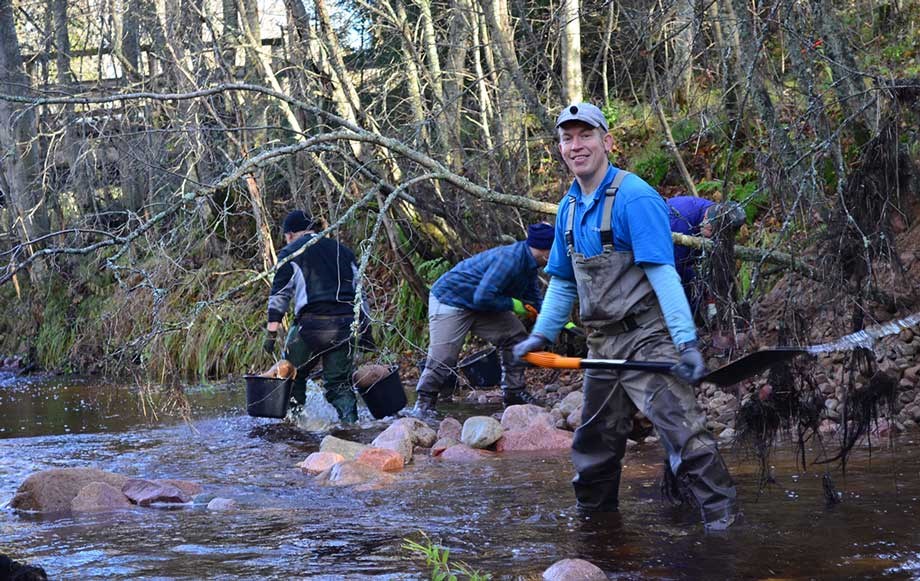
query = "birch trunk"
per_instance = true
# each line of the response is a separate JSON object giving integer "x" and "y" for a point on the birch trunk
{"x": 570, "y": 29}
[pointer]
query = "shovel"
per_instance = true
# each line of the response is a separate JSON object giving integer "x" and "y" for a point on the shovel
{"x": 727, "y": 375}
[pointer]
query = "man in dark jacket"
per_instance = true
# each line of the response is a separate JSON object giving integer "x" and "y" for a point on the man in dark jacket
{"x": 481, "y": 295}
{"x": 320, "y": 281}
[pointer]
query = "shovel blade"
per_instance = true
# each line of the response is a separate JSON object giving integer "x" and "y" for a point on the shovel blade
{"x": 752, "y": 364}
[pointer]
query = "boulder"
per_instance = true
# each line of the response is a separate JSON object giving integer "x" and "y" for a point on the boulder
{"x": 382, "y": 459}
{"x": 221, "y": 504}
{"x": 574, "y": 570}
{"x": 187, "y": 486}
{"x": 443, "y": 444}
{"x": 538, "y": 437}
{"x": 450, "y": 428}
{"x": 519, "y": 417}
{"x": 367, "y": 375}
{"x": 570, "y": 403}
{"x": 352, "y": 473}
{"x": 319, "y": 461}
{"x": 480, "y": 432}
{"x": 461, "y": 453}
{"x": 398, "y": 438}
{"x": 146, "y": 492}
{"x": 99, "y": 497}
{"x": 422, "y": 435}
{"x": 573, "y": 421}
{"x": 346, "y": 448}
{"x": 53, "y": 490}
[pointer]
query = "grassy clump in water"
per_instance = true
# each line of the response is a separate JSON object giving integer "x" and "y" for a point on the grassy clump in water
{"x": 437, "y": 560}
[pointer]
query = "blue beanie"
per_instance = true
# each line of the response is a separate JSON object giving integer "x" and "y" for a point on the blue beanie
{"x": 540, "y": 236}
{"x": 297, "y": 221}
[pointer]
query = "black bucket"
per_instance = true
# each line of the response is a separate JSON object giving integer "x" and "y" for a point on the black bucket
{"x": 483, "y": 368}
{"x": 267, "y": 397}
{"x": 450, "y": 384}
{"x": 385, "y": 396}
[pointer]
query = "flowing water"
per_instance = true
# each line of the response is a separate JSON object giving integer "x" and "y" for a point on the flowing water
{"x": 511, "y": 516}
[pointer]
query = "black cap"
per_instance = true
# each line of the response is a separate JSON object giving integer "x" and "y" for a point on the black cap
{"x": 297, "y": 221}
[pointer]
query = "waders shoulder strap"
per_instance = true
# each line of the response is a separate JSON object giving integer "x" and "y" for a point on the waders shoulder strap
{"x": 569, "y": 224}
{"x": 606, "y": 217}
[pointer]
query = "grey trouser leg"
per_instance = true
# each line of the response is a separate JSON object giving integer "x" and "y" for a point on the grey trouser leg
{"x": 447, "y": 329}
{"x": 599, "y": 444}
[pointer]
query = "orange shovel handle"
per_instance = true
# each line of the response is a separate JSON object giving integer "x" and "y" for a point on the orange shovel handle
{"x": 551, "y": 360}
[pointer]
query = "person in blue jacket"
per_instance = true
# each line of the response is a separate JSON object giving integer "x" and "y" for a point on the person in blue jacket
{"x": 688, "y": 215}
{"x": 613, "y": 252}
{"x": 482, "y": 295}
{"x": 699, "y": 217}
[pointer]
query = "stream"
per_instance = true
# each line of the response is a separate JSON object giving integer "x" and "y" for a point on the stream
{"x": 511, "y": 516}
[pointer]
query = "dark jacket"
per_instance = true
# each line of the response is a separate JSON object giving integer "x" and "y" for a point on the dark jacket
{"x": 320, "y": 281}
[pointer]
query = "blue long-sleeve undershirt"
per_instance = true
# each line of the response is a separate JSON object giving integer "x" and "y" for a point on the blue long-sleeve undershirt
{"x": 557, "y": 305}
{"x": 673, "y": 301}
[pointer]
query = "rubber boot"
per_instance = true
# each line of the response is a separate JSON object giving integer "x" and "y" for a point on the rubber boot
{"x": 520, "y": 397}
{"x": 346, "y": 404}
{"x": 425, "y": 406}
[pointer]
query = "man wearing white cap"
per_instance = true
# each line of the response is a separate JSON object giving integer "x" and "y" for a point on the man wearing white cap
{"x": 613, "y": 252}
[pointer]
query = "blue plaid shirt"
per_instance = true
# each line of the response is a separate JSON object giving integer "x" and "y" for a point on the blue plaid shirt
{"x": 489, "y": 280}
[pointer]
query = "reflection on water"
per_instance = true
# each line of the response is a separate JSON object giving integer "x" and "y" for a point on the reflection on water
{"x": 511, "y": 516}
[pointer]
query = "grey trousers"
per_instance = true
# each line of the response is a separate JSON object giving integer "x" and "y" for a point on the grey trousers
{"x": 448, "y": 327}
{"x": 611, "y": 400}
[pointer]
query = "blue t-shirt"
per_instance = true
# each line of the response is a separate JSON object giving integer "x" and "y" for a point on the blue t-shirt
{"x": 639, "y": 224}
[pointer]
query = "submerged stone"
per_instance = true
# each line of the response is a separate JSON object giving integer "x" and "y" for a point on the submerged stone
{"x": 346, "y": 448}
{"x": 320, "y": 461}
{"x": 53, "y": 490}
{"x": 99, "y": 497}
{"x": 574, "y": 569}
{"x": 481, "y": 432}
{"x": 146, "y": 492}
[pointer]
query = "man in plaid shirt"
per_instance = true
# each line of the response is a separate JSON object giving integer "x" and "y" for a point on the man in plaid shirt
{"x": 482, "y": 295}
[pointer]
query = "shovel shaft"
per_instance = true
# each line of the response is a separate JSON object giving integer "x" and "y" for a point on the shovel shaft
{"x": 650, "y": 366}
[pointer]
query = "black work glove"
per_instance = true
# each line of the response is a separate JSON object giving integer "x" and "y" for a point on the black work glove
{"x": 535, "y": 342}
{"x": 691, "y": 368}
{"x": 268, "y": 345}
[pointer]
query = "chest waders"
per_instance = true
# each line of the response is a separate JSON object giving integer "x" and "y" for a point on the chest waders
{"x": 621, "y": 312}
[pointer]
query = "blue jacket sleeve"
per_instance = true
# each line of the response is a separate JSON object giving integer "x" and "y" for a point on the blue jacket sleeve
{"x": 673, "y": 301}
{"x": 557, "y": 305}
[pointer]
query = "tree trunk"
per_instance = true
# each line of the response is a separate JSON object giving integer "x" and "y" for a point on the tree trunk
{"x": 455, "y": 71}
{"x": 499, "y": 20}
{"x": 435, "y": 75}
{"x": 485, "y": 103}
{"x": 77, "y": 149}
{"x": 570, "y": 31}
{"x": 413, "y": 79}
{"x": 681, "y": 63}
{"x": 17, "y": 132}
